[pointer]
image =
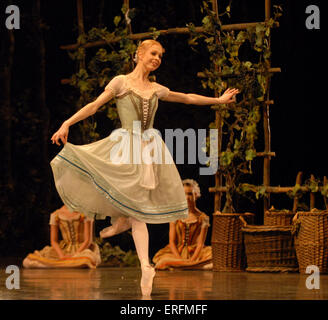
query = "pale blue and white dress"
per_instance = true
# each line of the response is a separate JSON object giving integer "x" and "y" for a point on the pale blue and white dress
{"x": 131, "y": 172}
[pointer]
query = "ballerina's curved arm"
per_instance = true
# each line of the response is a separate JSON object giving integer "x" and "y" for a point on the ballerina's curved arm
{"x": 196, "y": 99}
{"x": 85, "y": 112}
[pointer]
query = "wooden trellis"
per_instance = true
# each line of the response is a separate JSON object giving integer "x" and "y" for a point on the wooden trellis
{"x": 266, "y": 154}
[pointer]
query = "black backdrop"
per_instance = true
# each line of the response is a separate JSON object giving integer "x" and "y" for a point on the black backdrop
{"x": 297, "y": 117}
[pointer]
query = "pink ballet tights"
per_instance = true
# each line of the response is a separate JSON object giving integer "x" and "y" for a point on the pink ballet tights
{"x": 121, "y": 224}
{"x": 141, "y": 241}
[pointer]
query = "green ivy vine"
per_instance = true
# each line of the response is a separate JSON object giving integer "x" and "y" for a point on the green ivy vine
{"x": 230, "y": 66}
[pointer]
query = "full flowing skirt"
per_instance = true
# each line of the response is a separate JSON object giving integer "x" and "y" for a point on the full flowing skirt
{"x": 126, "y": 174}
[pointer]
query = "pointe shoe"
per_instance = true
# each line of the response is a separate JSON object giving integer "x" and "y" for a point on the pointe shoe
{"x": 107, "y": 232}
{"x": 146, "y": 283}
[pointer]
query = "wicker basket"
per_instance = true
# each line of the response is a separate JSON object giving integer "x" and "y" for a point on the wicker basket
{"x": 269, "y": 249}
{"x": 275, "y": 217}
{"x": 311, "y": 239}
{"x": 227, "y": 241}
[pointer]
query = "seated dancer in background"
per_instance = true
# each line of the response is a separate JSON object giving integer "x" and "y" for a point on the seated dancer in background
{"x": 186, "y": 249}
{"x": 76, "y": 250}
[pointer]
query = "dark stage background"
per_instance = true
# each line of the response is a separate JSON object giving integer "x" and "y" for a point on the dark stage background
{"x": 298, "y": 122}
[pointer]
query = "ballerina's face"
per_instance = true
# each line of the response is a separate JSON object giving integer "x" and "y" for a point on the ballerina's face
{"x": 152, "y": 57}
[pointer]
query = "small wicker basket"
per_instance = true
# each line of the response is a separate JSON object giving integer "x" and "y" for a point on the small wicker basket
{"x": 273, "y": 217}
{"x": 269, "y": 249}
{"x": 311, "y": 239}
{"x": 227, "y": 241}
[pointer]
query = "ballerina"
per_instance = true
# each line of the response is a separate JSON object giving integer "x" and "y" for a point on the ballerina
{"x": 107, "y": 177}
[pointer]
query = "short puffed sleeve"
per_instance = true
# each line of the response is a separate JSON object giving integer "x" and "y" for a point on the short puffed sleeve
{"x": 54, "y": 219}
{"x": 205, "y": 221}
{"x": 161, "y": 91}
{"x": 116, "y": 85}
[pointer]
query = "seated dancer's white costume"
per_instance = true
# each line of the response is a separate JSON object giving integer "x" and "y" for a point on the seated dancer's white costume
{"x": 130, "y": 175}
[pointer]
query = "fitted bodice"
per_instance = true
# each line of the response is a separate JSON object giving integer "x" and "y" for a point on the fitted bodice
{"x": 188, "y": 231}
{"x": 132, "y": 107}
{"x": 72, "y": 232}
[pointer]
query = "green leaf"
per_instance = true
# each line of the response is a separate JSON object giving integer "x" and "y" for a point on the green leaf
{"x": 250, "y": 154}
{"x": 259, "y": 42}
{"x": 84, "y": 86}
{"x": 237, "y": 144}
{"x": 112, "y": 113}
{"x": 245, "y": 187}
{"x": 260, "y": 27}
{"x": 209, "y": 40}
{"x": 266, "y": 54}
{"x": 261, "y": 192}
{"x": 206, "y": 20}
{"x": 226, "y": 158}
{"x": 296, "y": 191}
{"x": 212, "y": 125}
{"x": 241, "y": 37}
{"x": 117, "y": 20}
{"x": 324, "y": 190}
{"x": 247, "y": 64}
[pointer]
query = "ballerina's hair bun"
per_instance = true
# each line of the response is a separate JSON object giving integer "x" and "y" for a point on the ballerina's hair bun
{"x": 144, "y": 45}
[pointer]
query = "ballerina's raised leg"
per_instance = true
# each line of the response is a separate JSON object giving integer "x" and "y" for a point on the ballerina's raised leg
{"x": 141, "y": 241}
{"x": 120, "y": 225}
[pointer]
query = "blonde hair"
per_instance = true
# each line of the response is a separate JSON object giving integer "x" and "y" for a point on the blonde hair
{"x": 144, "y": 45}
{"x": 195, "y": 187}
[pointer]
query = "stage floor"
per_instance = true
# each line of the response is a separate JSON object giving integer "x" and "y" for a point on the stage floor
{"x": 123, "y": 284}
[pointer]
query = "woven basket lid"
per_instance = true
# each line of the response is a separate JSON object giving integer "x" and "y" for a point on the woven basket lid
{"x": 313, "y": 212}
{"x": 252, "y": 228}
{"x": 279, "y": 212}
{"x": 221, "y": 214}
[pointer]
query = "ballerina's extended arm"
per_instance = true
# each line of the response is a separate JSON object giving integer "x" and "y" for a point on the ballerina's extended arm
{"x": 85, "y": 112}
{"x": 191, "y": 98}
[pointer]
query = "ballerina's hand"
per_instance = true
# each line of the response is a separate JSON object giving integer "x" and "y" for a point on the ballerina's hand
{"x": 61, "y": 134}
{"x": 229, "y": 96}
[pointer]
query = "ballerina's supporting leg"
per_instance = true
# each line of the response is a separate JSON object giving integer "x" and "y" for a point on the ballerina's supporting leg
{"x": 141, "y": 241}
{"x": 121, "y": 224}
